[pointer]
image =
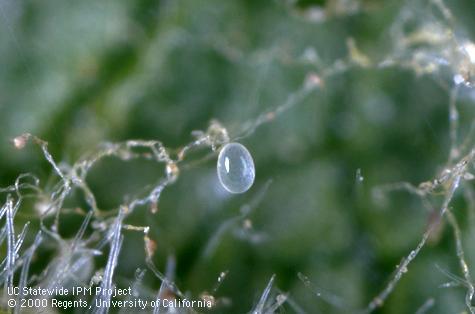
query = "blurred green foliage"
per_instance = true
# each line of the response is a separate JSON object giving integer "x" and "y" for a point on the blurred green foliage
{"x": 77, "y": 73}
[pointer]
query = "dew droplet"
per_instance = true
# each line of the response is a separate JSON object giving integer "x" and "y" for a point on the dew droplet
{"x": 235, "y": 167}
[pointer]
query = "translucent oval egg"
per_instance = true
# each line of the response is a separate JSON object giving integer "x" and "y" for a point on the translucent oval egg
{"x": 235, "y": 167}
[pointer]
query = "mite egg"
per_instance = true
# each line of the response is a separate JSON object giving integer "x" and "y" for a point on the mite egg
{"x": 235, "y": 167}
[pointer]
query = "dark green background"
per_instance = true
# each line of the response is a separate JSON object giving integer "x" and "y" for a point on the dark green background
{"x": 77, "y": 73}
